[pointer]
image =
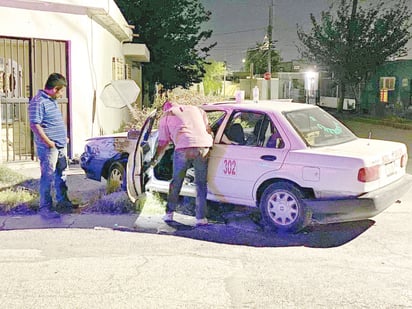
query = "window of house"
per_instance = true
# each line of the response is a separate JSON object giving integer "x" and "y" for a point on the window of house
{"x": 387, "y": 83}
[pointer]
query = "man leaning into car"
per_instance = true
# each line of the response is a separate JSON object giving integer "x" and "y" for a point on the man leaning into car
{"x": 188, "y": 128}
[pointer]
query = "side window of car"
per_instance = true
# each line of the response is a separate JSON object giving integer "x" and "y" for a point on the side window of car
{"x": 248, "y": 128}
{"x": 215, "y": 120}
{"x": 273, "y": 139}
{"x": 261, "y": 131}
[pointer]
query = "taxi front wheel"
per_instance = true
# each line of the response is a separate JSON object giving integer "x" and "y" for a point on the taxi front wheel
{"x": 282, "y": 207}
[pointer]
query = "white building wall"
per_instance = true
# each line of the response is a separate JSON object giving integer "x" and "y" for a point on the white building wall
{"x": 248, "y": 84}
{"x": 91, "y": 69}
{"x": 92, "y": 48}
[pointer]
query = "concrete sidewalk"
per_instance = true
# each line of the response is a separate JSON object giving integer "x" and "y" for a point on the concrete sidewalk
{"x": 83, "y": 189}
{"x": 81, "y": 221}
{"x": 124, "y": 222}
{"x": 80, "y": 188}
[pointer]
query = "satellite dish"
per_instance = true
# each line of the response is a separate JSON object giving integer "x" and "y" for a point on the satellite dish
{"x": 120, "y": 93}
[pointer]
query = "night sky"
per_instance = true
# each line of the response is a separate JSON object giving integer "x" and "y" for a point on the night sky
{"x": 238, "y": 24}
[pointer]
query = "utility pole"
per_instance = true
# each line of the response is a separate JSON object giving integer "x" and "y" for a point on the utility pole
{"x": 269, "y": 35}
{"x": 224, "y": 79}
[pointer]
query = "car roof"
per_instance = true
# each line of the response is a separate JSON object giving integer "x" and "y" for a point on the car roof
{"x": 266, "y": 106}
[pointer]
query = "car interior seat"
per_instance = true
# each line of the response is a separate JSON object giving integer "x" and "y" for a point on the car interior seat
{"x": 164, "y": 168}
{"x": 236, "y": 133}
{"x": 275, "y": 141}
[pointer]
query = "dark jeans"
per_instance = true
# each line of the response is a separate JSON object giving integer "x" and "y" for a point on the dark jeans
{"x": 50, "y": 172}
{"x": 183, "y": 159}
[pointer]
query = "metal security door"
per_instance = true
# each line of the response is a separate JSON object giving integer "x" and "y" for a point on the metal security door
{"x": 24, "y": 67}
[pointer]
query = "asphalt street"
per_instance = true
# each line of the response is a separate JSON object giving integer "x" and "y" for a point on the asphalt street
{"x": 364, "y": 264}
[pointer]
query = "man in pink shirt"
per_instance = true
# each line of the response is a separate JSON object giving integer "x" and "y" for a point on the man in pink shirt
{"x": 188, "y": 128}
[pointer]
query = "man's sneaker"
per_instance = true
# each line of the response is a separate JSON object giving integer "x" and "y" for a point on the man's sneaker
{"x": 46, "y": 213}
{"x": 168, "y": 217}
{"x": 201, "y": 222}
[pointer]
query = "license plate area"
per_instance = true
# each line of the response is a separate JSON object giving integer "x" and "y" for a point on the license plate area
{"x": 390, "y": 168}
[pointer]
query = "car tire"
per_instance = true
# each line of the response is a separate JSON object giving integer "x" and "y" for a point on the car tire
{"x": 117, "y": 174}
{"x": 283, "y": 209}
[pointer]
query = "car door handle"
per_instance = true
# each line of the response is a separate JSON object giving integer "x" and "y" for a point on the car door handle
{"x": 268, "y": 158}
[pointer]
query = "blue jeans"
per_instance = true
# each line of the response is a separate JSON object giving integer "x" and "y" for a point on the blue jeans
{"x": 183, "y": 159}
{"x": 49, "y": 173}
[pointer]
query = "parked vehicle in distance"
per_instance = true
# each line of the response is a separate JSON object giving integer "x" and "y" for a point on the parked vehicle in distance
{"x": 294, "y": 161}
{"x": 106, "y": 156}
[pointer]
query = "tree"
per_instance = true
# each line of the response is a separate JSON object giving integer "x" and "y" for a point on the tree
{"x": 354, "y": 41}
{"x": 172, "y": 31}
{"x": 212, "y": 80}
{"x": 257, "y": 59}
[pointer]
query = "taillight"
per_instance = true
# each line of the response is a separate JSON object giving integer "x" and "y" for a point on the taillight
{"x": 366, "y": 174}
{"x": 404, "y": 160}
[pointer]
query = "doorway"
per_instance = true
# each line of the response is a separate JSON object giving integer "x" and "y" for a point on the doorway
{"x": 25, "y": 65}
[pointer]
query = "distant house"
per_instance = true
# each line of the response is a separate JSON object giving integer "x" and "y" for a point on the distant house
{"x": 387, "y": 92}
{"x": 390, "y": 88}
{"x": 88, "y": 41}
{"x": 295, "y": 80}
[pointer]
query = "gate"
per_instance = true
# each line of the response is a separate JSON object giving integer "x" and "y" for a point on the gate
{"x": 25, "y": 65}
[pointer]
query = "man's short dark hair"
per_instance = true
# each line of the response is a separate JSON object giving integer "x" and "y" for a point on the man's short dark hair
{"x": 55, "y": 80}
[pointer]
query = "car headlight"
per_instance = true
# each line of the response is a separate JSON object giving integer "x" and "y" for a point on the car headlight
{"x": 84, "y": 158}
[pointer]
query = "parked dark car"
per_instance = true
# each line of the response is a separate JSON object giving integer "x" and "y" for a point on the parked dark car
{"x": 106, "y": 156}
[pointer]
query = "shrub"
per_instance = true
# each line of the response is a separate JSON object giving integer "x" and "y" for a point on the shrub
{"x": 18, "y": 200}
{"x": 113, "y": 186}
{"x": 114, "y": 203}
{"x": 178, "y": 95}
{"x": 9, "y": 178}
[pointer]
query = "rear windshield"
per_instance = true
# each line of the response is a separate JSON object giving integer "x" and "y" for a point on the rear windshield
{"x": 319, "y": 128}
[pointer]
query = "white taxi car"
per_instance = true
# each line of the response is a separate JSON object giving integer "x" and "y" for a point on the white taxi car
{"x": 294, "y": 161}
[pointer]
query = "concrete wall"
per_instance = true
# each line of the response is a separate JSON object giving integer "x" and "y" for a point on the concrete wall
{"x": 332, "y": 102}
{"x": 247, "y": 85}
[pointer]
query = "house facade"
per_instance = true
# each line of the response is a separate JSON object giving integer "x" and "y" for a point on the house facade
{"x": 389, "y": 90}
{"x": 88, "y": 41}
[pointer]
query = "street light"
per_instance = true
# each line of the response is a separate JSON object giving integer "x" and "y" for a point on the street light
{"x": 311, "y": 85}
{"x": 251, "y": 69}
{"x": 268, "y": 37}
{"x": 251, "y": 76}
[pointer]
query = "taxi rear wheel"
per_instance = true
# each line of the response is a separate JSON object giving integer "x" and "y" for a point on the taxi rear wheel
{"x": 282, "y": 207}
